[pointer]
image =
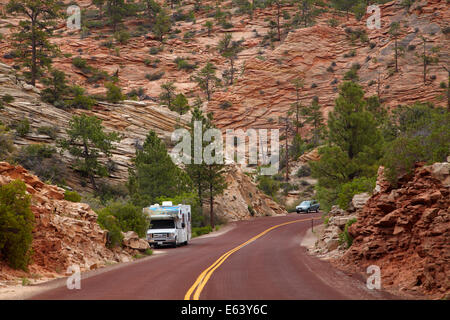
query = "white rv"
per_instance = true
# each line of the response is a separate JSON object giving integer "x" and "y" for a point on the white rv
{"x": 169, "y": 224}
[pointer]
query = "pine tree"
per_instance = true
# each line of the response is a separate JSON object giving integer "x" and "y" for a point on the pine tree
{"x": 87, "y": 140}
{"x": 296, "y": 106}
{"x": 116, "y": 10}
{"x": 306, "y": 9}
{"x": 31, "y": 41}
{"x": 353, "y": 147}
{"x": 229, "y": 49}
{"x": 279, "y": 4}
{"x": 209, "y": 25}
{"x": 351, "y": 126}
{"x": 99, "y": 4}
{"x": 344, "y": 5}
{"x": 207, "y": 79}
{"x": 180, "y": 104}
{"x": 57, "y": 87}
{"x": 152, "y": 9}
{"x": 314, "y": 117}
{"x": 162, "y": 25}
{"x": 394, "y": 31}
{"x": 154, "y": 174}
{"x": 208, "y": 179}
{"x": 168, "y": 94}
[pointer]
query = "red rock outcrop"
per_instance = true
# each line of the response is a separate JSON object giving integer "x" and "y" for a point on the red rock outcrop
{"x": 65, "y": 233}
{"x": 242, "y": 199}
{"x": 406, "y": 232}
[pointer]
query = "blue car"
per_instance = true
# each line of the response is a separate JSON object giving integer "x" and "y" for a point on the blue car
{"x": 308, "y": 206}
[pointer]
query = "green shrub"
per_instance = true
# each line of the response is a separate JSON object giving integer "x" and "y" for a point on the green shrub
{"x": 107, "y": 191}
{"x": 303, "y": 171}
{"x": 50, "y": 131}
{"x": 333, "y": 22}
{"x": 189, "y": 35}
{"x": 422, "y": 134}
{"x": 345, "y": 237}
{"x": 6, "y": 143}
{"x": 122, "y": 36}
{"x": 114, "y": 93}
{"x": 110, "y": 223}
{"x": 80, "y": 100}
{"x": 8, "y": 98}
{"x": 16, "y": 225}
{"x": 23, "y": 127}
{"x": 287, "y": 187}
{"x": 356, "y": 186}
{"x": 128, "y": 217}
{"x": 98, "y": 75}
{"x": 182, "y": 64}
{"x": 268, "y": 185}
{"x": 155, "y": 50}
{"x": 72, "y": 196}
{"x": 352, "y": 74}
{"x": 225, "y": 105}
{"x": 81, "y": 64}
{"x": 198, "y": 231}
{"x": 154, "y": 76}
{"x": 251, "y": 210}
{"x": 43, "y": 161}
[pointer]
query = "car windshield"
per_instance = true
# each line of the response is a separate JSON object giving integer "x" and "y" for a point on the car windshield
{"x": 162, "y": 224}
{"x": 305, "y": 203}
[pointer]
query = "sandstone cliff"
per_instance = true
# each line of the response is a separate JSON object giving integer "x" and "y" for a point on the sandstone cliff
{"x": 321, "y": 55}
{"x": 242, "y": 199}
{"x": 132, "y": 119}
{"x": 65, "y": 233}
{"x": 406, "y": 232}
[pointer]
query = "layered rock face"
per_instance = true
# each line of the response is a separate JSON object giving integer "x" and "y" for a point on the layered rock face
{"x": 242, "y": 199}
{"x": 131, "y": 119}
{"x": 406, "y": 232}
{"x": 329, "y": 245}
{"x": 322, "y": 55}
{"x": 65, "y": 233}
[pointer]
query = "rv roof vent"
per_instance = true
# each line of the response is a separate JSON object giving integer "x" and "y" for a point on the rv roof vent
{"x": 167, "y": 203}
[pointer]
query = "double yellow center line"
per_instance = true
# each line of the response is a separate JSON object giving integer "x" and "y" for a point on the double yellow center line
{"x": 203, "y": 278}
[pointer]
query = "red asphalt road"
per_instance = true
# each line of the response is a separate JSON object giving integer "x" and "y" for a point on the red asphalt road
{"x": 274, "y": 266}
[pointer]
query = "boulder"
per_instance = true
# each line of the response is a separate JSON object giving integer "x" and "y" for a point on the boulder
{"x": 441, "y": 171}
{"x": 131, "y": 240}
{"x": 358, "y": 201}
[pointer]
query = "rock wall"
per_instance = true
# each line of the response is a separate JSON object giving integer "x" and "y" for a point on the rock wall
{"x": 321, "y": 55}
{"x": 65, "y": 233}
{"x": 329, "y": 245}
{"x": 241, "y": 193}
{"x": 406, "y": 232}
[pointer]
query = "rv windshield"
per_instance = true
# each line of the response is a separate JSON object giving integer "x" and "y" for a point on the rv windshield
{"x": 162, "y": 224}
